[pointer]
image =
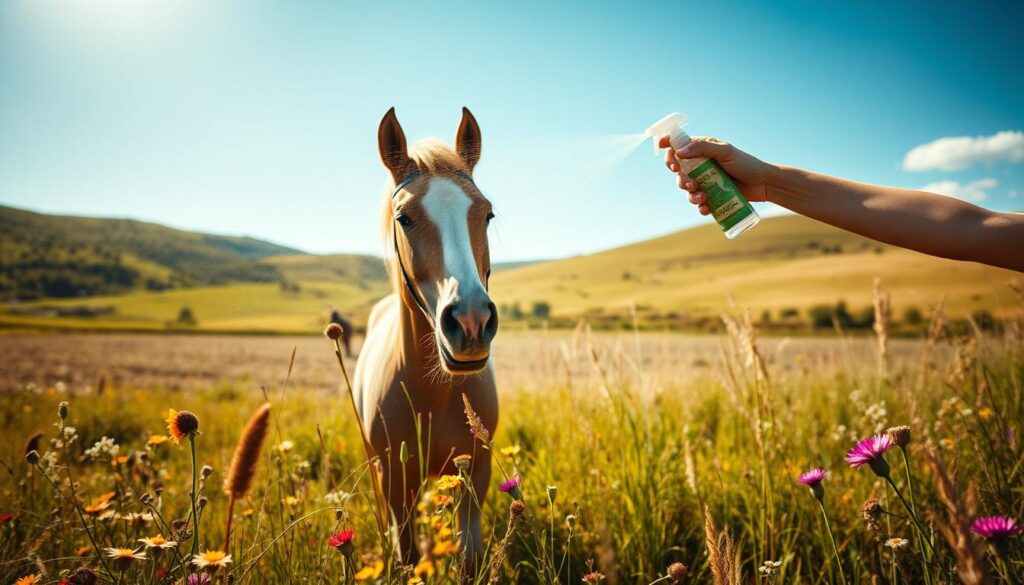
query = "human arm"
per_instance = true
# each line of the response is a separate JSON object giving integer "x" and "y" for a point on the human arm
{"x": 918, "y": 220}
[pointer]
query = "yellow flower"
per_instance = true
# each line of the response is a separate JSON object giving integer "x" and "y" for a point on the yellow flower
{"x": 414, "y": 581}
{"x": 985, "y": 413}
{"x": 81, "y": 551}
{"x": 248, "y": 512}
{"x": 424, "y": 569}
{"x": 370, "y": 571}
{"x": 449, "y": 482}
{"x": 444, "y": 547}
{"x": 510, "y": 451}
{"x": 99, "y": 505}
{"x": 181, "y": 424}
{"x": 292, "y": 501}
{"x": 29, "y": 580}
{"x": 157, "y": 440}
{"x": 158, "y": 542}
{"x": 284, "y": 446}
{"x": 211, "y": 559}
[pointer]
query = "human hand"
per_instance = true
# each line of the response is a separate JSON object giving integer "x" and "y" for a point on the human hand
{"x": 748, "y": 172}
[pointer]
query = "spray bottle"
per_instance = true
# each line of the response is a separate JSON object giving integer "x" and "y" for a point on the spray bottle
{"x": 728, "y": 206}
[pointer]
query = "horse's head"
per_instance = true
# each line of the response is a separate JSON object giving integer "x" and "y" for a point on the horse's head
{"x": 437, "y": 231}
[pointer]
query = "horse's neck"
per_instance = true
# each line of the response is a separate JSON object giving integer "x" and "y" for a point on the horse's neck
{"x": 417, "y": 345}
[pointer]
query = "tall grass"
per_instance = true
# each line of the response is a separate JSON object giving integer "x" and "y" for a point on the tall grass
{"x": 644, "y": 474}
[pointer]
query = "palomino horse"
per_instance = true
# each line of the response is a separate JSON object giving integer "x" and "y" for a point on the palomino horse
{"x": 433, "y": 333}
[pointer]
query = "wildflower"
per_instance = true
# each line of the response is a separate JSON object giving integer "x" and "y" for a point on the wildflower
{"x": 897, "y": 543}
{"x": 517, "y": 508}
{"x": 32, "y": 457}
{"x": 337, "y": 498}
{"x": 414, "y": 580}
{"x": 769, "y": 567}
{"x": 511, "y": 487}
{"x": 552, "y": 493}
{"x": 677, "y": 572}
{"x": 342, "y": 541}
{"x": 370, "y": 571}
{"x": 158, "y": 542}
{"x": 812, "y": 479}
{"x": 292, "y": 501}
{"x": 199, "y": 579}
{"x": 181, "y": 424}
{"x": 124, "y": 557}
{"x": 98, "y": 505}
{"x": 993, "y": 528}
{"x": 80, "y": 552}
{"x": 212, "y": 560}
{"x": 5, "y": 518}
{"x": 284, "y": 446}
{"x": 137, "y": 520}
{"x": 29, "y": 580}
{"x": 62, "y": 410}
{"x": 449, "y": 483}
{"x": 157, "y": 440}
{"x": 442, "y": 502}
{"x": 334, "y": 331}
{"x": 593, "y": 577}
{"x": 423, "y": 569}
{"x": 900, "y": 436}
{"x": 444, "y": 547}
{"x": 511, "y": 451}
{"x": 462, "y": 463}
{"x": 105, "y": 446}
{"x": 985, "y": 413}
{"x": 871, "y": 451}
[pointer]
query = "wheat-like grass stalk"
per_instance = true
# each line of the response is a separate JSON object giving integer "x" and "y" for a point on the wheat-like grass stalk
{"x": 970, "y": 563}
{"x": 243, "y": 463}
{"x": 883, "y": 313}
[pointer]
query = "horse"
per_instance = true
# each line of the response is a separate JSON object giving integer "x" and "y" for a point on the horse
{"x": 428, "y": 343}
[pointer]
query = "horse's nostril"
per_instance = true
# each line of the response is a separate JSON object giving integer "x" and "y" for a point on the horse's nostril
{"x": 491, "y": 327}
{"x": 449, "y": 324}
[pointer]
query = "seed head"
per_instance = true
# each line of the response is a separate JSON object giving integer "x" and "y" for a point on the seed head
{"x": 677, "y": 572}
{"x": 462, "y": 463}
{"x": 334, "y": 331}
{"x": 32, "y": 457}
{"x": 62, "y": 410}
{"x": 206, "y": 471}
{"x": 517, "y": 508}
{"x": 181, "y": 424}
{"x": 900, "y": 436}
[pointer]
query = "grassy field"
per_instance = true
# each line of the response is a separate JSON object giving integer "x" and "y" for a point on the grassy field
{"x": 662, "y": 449}
{"x": 677, "y": 281}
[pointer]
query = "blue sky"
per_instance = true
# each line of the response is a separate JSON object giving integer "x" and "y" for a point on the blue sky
{"x": 260, "y": 118}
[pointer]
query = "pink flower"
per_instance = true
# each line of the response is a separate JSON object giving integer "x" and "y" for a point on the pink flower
{"x": 812, "y": 477}
{"x": 511, "y": 487}
{"x": 342, "y": 540}
{"x": 871, "y": 451}
{"x": 996, "y": 527}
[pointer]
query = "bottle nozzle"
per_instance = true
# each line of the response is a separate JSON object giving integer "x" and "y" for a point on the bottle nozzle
{"x": 671, "y": 126}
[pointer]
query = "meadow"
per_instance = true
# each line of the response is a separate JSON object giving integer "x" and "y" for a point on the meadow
{"x": 643, "y": 458}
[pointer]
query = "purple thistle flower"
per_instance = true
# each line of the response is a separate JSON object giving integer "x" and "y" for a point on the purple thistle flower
{"x": 812, "y": 479}
{"x": 871, "y": 451}
{"x": 996, "y": 527}
{"x": 198, "y": 579}
{"x": 511, "y": 487}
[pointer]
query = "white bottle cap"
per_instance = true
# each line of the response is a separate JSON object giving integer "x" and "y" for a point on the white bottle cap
{"x": 671, "y": 126}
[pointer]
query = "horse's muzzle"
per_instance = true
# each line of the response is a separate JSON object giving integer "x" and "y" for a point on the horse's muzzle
{"x": 465, "y": 330}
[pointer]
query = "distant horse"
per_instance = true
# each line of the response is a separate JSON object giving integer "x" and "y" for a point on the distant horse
{"x": 433, "y": 333}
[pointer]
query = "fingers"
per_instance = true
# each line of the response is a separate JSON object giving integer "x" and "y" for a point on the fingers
{"x": 686, "y": 183}
{"x": 670, "y": 161}
{"x": 705, "y": 146}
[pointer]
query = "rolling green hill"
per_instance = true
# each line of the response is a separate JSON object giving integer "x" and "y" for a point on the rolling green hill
{"x": 62, "y": 256}
{"x": 787, "y": 262}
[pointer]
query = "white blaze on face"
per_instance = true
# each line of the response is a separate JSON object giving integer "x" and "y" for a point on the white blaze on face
{"x": 447, "y": 205}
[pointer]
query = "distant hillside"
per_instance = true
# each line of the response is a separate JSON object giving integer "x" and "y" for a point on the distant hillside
{"x": 63, "y": 256}
{"x": 786, "y": 264}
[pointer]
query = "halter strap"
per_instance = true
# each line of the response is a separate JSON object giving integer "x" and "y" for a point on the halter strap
{"x": 414, "y": 291}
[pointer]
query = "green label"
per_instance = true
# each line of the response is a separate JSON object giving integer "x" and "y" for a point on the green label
{"x": 727, "y": 203}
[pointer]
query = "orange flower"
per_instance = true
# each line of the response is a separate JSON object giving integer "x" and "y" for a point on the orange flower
{"x": 157, "y": 440}
{"x": 29, "y": 580}
{"x": 181, "y": 424}
{"x": 370, "y": 571}
{"x": 98, "y": 505}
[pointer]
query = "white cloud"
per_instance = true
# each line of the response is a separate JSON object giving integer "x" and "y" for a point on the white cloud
{"x": 959, "y": 152}
{"x": 974, "y": 191}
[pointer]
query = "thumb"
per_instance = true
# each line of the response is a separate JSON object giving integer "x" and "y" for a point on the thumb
{"x": 704, "y": 146}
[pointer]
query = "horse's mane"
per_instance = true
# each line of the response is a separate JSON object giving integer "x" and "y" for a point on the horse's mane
{"x": 432, "y": 157}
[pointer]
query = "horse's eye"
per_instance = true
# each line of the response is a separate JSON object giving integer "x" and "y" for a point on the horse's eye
{"x": 490, "y": 216}
{"x": 403, "y": 220}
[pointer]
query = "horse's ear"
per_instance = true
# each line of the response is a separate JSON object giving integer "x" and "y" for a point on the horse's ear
{"x": 467, "y": 139}
{"x": 393, "y": 151}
